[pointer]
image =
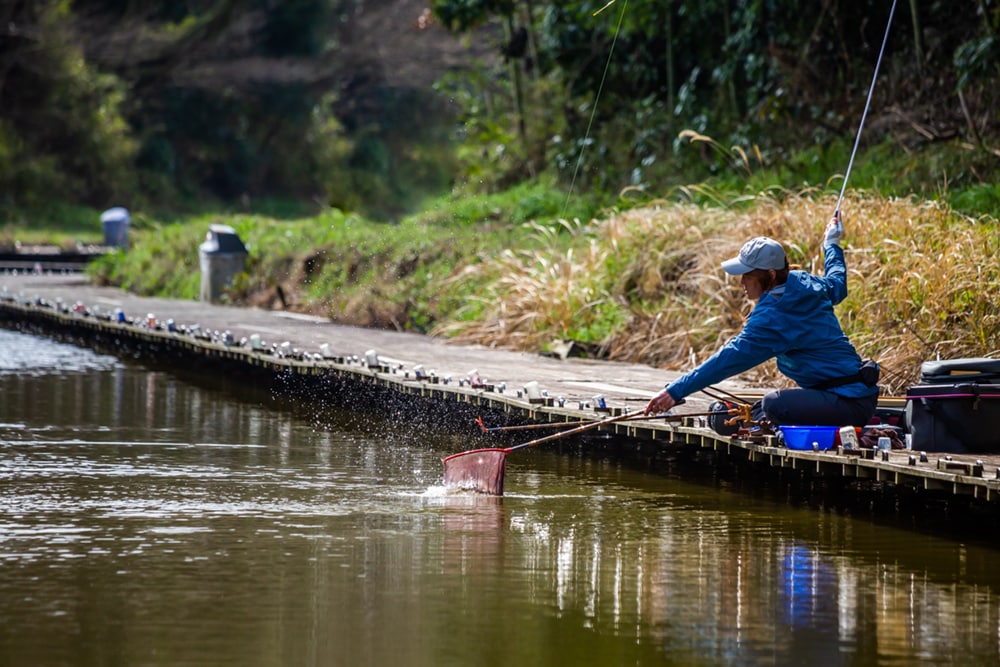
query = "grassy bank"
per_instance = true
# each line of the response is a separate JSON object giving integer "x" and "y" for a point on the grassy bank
{"x": 345, "y": 267}
{"x": 645, "y": 285}
{"x": 531, "y": 269}
{"x": 640, "y": 285}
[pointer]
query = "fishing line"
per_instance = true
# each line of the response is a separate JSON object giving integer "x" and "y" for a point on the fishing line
{"x": 871, "y": 89}
{"x": 593, "y": 112}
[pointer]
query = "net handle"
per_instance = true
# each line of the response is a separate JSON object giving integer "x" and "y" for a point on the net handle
{"x": 578, "y": 429}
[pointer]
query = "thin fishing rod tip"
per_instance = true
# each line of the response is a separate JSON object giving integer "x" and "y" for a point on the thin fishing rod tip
{"x": 603, "y": 8}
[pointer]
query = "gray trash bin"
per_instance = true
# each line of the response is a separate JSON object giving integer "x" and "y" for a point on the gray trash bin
{"x": 115, "y": 222}
{"x": 222, "y": 257}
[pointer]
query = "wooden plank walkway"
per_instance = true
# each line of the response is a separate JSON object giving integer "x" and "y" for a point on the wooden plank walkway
{"x": 576, "y": 379}
{"x": 500, "y": 381}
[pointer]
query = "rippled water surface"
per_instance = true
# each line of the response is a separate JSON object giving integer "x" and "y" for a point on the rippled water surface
{"x": 149, "y": 520}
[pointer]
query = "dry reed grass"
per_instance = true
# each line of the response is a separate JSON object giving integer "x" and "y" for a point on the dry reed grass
{"x": 924, "y": 282}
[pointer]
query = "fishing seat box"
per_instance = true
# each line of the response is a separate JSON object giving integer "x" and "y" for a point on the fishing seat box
{"x": 956, "y": 406}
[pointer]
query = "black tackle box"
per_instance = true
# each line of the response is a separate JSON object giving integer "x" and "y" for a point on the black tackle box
{"x": 956, "y": 406}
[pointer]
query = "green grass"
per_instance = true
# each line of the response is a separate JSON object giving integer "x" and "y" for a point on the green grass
{"x": 58, "y": 224}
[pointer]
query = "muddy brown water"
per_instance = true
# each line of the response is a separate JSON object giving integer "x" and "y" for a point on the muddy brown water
{"x": 152, "y": 518}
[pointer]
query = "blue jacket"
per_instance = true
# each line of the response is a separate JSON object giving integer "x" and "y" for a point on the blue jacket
{"x": 796, "y": 326}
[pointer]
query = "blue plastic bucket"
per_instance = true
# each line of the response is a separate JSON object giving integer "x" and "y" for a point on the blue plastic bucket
{"x": 803, "y": 437}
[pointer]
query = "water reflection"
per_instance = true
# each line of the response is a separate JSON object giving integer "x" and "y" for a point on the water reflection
{"x": 147, "y": 521}
{"x": 24, "y": 355}
{"x": 713, "y": 585}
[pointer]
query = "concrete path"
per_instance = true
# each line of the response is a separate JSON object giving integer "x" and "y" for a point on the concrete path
{"x": 576, "y": 379}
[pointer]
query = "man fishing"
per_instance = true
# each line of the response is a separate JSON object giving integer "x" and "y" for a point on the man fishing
{"x": 793, "y": 322}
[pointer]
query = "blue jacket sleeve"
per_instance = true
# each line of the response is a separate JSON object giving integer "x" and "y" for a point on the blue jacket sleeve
{"x": 835, "y": 273}
{"x": 754, "y": 345}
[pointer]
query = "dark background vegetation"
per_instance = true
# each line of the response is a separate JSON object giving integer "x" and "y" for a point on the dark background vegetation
{"x": 372, "y": 106}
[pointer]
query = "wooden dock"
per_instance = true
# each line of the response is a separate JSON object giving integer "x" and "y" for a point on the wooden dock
{"x": 451, "y": 379}
{"x": 47, "y": 259}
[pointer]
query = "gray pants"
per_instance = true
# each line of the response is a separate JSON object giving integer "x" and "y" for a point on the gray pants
{"x": 814, "y": 407}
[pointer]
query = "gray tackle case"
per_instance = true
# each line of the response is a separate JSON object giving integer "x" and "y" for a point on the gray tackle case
{"x": 956, "y": 406}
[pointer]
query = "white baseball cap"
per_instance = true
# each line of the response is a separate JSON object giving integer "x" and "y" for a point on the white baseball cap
{"x": 758, "y": 253}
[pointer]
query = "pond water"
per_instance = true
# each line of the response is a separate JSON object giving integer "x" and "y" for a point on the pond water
{"x": 154, "y": 518}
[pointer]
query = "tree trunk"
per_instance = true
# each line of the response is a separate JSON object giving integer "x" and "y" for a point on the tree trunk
{"x": 670, "y": 57}
{"x": 918, "y": 39}
{"x": 515, "y": 69}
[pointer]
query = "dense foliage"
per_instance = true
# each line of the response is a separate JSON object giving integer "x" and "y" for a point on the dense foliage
{"x": 780, "y": 84}
{"x": 353, "y": 103}
{"x": 160, "y": 103}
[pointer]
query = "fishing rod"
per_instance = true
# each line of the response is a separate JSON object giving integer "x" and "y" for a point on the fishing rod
{"x": 717, "y": 394}
{"x": 584, "y": 422}
{"x": 871, "y": 89}
{"x": 611, "y": 2}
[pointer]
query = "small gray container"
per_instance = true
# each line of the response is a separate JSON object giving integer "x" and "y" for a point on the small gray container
{"x": 222, "y": 256}
{"x": 115, "y": 222}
